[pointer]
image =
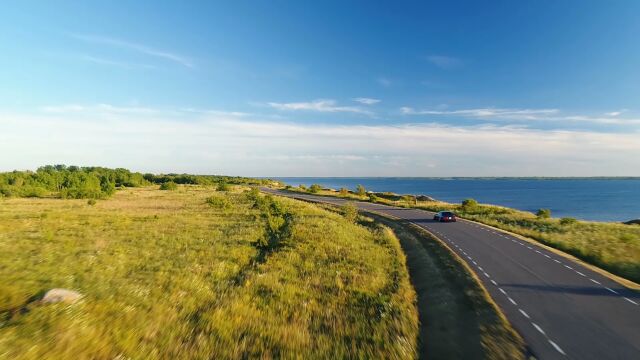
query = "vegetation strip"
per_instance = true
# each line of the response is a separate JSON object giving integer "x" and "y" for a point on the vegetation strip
{"x": 453, "y": 305}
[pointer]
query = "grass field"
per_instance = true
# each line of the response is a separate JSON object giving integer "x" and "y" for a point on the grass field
{"x": 199, "y": 273}
{"x": 611, "y": 246}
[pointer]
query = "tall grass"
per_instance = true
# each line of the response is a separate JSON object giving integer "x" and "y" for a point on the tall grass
{"x": 171, "y": 274}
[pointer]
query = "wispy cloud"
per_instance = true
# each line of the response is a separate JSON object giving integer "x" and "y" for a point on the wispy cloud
{"x": 444, "y": 62}
{"x": 109, "y": 62}
{"x": 525, "y": 114}
{"x": 144, "y": 49}
{"x": 386, "y": 82}
{"x": 320, "y": 105}
{"x": 366, "y": 101}
{"x": 209, "y": 143}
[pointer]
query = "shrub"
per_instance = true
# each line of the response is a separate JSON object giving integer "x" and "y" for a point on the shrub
{"x": 169, "y": 185}
{"x": 91, "y": 202}
{"x": 218, "y": 202}
{"x": 410, "y": 199}
{"x": 543, "y": 213}
{"x": 350, "y": 212}
{"x": 344, "y": 192}
{"x": 223, "y": 186}
{"x": 315, "y": 188}
{"x": 567, "y": 221}
{"x": 373, "y": 197}
{"x": 468, "y": 204}
{"x": 302, "y": 187}
{"x": 360, "y": 190}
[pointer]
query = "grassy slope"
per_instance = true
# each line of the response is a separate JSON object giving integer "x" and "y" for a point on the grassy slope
{"x": 165, "y": 275}
{"x": 611, "y": 246}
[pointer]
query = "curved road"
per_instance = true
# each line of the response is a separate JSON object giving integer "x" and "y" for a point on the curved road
{"x": 561, "y": 309}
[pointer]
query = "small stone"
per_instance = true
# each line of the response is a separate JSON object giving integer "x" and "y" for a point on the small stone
{"x": 61, "y": 295}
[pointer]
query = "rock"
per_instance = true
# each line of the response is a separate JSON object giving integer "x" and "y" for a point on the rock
{"x": 61, "y": 295}
{"x": 633, "y": 222}
{"x": 425, "y": 198}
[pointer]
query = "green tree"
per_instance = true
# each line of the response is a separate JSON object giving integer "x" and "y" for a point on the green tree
{"x": 169, "y": 185}
{"x": 468, "y": 204}
{"x": 543, "y": 213}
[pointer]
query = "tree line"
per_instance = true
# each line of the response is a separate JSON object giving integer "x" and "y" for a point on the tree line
{"x": 75, "y": 182}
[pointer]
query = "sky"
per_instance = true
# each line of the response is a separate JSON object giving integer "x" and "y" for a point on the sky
{"x": 325, "y": 88}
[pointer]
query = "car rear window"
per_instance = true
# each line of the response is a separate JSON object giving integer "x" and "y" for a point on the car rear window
{"x": 447, "y": 214}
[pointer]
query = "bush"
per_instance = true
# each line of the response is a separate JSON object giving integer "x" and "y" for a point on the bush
{"x": 543, "y": 213}
{"x": 360, "y": 190}
{"x": 350, "y": 212}
{"x": 344, "y": 192}
{"x": 315, "y": 188}
{"x": 223, "y": 186}
{"x": 218, "y": 202}
{"x": 568, "y": 221}
{"x": 169, "y": 185}
{"x": 373, "y": 197}
{"x": 302, "y": 187}
{"x": 91, "y": 202}
{"x": 468, "y": 204}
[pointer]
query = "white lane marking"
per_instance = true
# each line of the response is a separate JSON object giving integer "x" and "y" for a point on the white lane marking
{"x": 524, "y": 313}
{"x": 487, "y": 275}
{"x": 538, "y": 328}
{"x": 631, "y": 301}
{"x": 581, "y": 274}
{"x": 502, "y": 291}
{"x": 529, "y": 247}
{"x": 568, "y": 267}
{"x": 558, "y": 261}
{"x": 595, "y": 281}
{"x": 538, "y": 251}
{"x": 555, "y": 346}
{"x": 512, "y": 301}
{"x": 494, "y": 283}
{"x": 521, "y": 243}
{"x": 547, "y": 256}
{"x": 613, "y": 291}
{"x": 474, "y": 263}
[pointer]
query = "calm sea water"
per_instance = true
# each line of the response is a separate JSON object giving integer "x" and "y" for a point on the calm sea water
{"x": 588, "y": 199}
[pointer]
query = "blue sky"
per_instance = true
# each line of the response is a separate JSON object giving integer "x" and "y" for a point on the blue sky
{"x": 334, "y": 88}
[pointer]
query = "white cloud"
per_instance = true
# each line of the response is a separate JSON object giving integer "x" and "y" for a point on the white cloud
{"x": 366, "y": 101}
{"x": 144, "y": 49}
{"x": 525, "y": 114}
{"x": 162, "y": 141}
{"x": 444, "y": 62}
{"x": 320, "y": 105}
{"x": 109, "y": 62}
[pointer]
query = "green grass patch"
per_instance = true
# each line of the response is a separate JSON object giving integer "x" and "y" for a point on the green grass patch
{"x": 175, "y": 274}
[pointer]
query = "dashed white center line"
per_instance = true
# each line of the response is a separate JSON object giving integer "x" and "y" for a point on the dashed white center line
{"x": 524, "y": 314}
{"x": 555, "y": 346}
{"x": 568, "y": 267}
{"x": 494, "y": 283}
{"x": 512, "y": 301}
{"x": 558, "y": 261}
{"x": 474, "y": 263}
{"x": 538, "y": 328}
{"x": 613, "y": 291}
{"x": 502, "y": 291}
{"x": 480, "y": 268}
{"x": 581, "y": 274}
{"x": 538, "y": 251}
{"x": 487, "y": 275}
{"x": 595, "y": 281}
{"x": 547, "y": 256}
{"x": 631, "y": 301}
{"x": 529, "y": 247}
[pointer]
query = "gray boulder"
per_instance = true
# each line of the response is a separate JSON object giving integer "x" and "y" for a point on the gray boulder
{"x": 61, "y": 295}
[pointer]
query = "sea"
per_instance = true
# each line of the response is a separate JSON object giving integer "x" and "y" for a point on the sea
{"x": 587, "y": 199}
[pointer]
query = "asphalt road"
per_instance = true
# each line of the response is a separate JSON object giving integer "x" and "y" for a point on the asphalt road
{"x": 562, "y": 309}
